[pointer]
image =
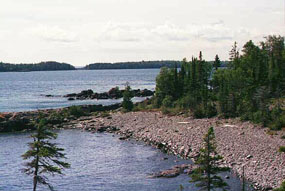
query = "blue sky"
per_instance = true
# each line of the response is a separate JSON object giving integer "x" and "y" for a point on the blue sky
{"x": 87, "y": 31}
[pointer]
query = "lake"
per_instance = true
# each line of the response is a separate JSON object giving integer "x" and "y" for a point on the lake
{"x": 98, "y": 162}
{"x": 23, "y": 91}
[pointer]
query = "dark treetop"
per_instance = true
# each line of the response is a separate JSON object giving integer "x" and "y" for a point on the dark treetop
{"x": 43, "y": 66}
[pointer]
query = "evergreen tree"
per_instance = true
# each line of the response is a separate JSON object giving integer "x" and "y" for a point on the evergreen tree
{"x": 206, "y": 173}
{"x": 45, "y": 156}
{"x": 217, "y": 62}
{"x": 127, "y": 98}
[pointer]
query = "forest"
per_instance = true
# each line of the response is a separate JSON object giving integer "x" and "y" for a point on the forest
{"x": 250, "y": 87}
{"x": 43, "y": 66}
{"x": 133, "y": 65}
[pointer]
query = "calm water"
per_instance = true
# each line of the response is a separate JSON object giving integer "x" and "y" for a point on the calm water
{"x": 22, "y": 91}
{"x": 99, "y": 162}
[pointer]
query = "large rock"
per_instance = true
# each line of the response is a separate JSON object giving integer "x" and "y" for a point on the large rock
{"x": 174, "y": 171}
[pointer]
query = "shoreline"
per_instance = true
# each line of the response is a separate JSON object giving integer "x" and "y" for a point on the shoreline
{"x": 240, "y": 143}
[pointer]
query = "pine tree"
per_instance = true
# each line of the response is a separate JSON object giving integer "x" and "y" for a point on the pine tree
{"x": 127, "y": 98}
{"x": 45, "y": 156}
{"x": 217, "y": 62}
{"x": 206, "y": 173}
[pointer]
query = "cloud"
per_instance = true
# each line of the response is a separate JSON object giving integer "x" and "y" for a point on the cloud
{"x": 167, "y": 32}
{"x": 54, "y": 34}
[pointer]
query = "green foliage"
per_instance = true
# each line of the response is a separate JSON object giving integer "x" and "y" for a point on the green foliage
{"x": 76, "y": 111}
{"x": 187, "y": 88}
{"x": 206, "y": 174}
{"x": 282, "y": 187}
{"x": 127, "y": 99}
{"x": 245, "y": 89}
{"x": 167, "y": 101}
{"x": 55, "y": 118}
{"x": 282, "y": 149}
{"x": 43, "y": 66}
{"x": 133, "y": 65}
{"x": 217, "y": 62}
{"x": 44, "y": 155}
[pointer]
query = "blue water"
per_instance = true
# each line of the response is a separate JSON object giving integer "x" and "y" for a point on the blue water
{"x": 98, "y": 162}
{"x": 22, "y": 91}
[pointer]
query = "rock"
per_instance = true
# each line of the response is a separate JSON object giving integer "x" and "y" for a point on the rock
{"x": 173, "y": 172}
{"x": 71, "y": 95}
{"x": 71, "y": 99}
{"x": 113, "y": 93}
{"x": 227, "y": 177}
{"x": 249, "y": 156}
{"x": 124, "y": 138}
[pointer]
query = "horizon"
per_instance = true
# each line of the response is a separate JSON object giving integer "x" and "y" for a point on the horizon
{"x": 79, "y": 66}
{"x": 115, "y": 31}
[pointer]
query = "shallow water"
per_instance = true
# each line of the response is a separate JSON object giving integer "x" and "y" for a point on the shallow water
{"x": 98, "y": 162}
{"x": 22, "y": 91}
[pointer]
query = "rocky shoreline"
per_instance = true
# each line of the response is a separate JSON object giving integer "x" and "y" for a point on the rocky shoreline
{"x": 113, "y": 93}
{"x": 240, "y": 143}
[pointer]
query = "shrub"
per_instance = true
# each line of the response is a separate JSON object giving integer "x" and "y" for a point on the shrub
{"x": 199, "y": 112}
{"x": 55, "y": 118}
{"x": 283, "y": 137}
{"x": 187, "y": 102}
{"x": 282, "y": 149}
{"x": 211, "y": 110}
{"x": 282, "y": 187}
{"x": 105, "y": 114}
{"x": 170, "y": 111}
{"x": 76, "y": 111}
{"x": 167, "y": 102}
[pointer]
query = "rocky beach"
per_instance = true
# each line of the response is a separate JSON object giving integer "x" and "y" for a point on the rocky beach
{"x": 240, "y": 143}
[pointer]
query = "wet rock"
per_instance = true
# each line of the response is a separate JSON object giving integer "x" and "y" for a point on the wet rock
{"x": 113, "y": 93}
{"x": 173, "y": 172}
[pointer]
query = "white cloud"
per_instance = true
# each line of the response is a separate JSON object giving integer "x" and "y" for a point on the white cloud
{"x": 82, "y": 32}
{"x": 54, "y": 34}
{"x": 134, "y": 32}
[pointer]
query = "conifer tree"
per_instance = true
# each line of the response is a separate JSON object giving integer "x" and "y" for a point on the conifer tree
{"x": 217, "y": 62}
{"x": 45, "y": 156}
{"x": 206, "y": 173}
{"x": 127, "y": 98}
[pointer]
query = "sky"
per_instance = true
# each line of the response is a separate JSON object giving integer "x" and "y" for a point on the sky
{"x": 81, "y": 32}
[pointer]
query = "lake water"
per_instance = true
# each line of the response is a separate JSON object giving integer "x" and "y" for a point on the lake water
{"x": 22, "y": 91}
{"x": 98, "y": 162}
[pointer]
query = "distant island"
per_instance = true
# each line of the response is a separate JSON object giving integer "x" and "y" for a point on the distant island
{"x": 141, "y": 65}
{"x": 133, "y": 65}
{"x": 42, "y": 66}
{"x": 53, "y": 66}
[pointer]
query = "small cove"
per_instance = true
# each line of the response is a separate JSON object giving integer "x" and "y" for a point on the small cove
{"x": 99, "y": 162}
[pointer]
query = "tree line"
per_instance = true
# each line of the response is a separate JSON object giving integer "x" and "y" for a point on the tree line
{"x": 43, "y": 66}
{"x": 251, "y": 86}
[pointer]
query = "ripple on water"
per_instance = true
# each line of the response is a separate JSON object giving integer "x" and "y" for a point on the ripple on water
{"x": 98, "y": 162}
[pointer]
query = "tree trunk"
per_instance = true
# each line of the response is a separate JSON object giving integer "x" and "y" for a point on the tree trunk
{"x": 208, "y": 164}
{"x": 36, "y": 170}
